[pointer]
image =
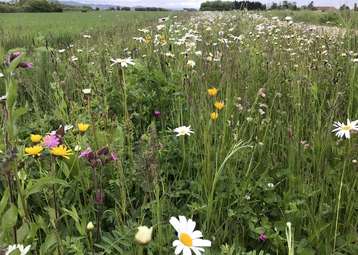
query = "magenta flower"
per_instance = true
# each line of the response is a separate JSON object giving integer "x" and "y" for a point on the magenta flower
{"x": 51, "y": 141}
{"x": 114, "y": 156}
{"x": 262, "y": 237}
{"x": 13, "y": 55}
{"x": 86, "y": 153}
{"x": 157, "y": 114}
{"x": 25, "y": 65}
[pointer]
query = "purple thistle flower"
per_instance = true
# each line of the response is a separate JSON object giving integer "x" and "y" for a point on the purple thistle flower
{"x": 114, "y": 156}
{"x": 14, "y": 55}
{"x": 25, "y": 65}
{"x": 157, "y": 114}
{"x": 86, "y": 153}
{"x": 51, "y": 141}
{"x": 262, "y": 237}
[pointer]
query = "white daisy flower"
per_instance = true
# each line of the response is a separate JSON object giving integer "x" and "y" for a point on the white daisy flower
{"x": 183, "y": 130}
{"x": 87, "y": 36}
{"x": 189, "y": 240}
{"x": 344, "y": 130}
{"x": 86, "y": 91}
{"x": 1, "y": 75}
{"x": 124, "y": 62}
{"x": 23, "y": 250}
{"x": 191, "y": 63}
{"x": 61, "y": 50}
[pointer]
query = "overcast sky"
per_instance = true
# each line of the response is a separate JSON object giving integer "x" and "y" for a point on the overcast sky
{"x": 196, "y": 3}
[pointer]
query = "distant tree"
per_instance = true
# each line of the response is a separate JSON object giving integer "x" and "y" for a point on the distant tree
{"x": 310, "y": 6}
{"x": 125, "y": 9}
{"x": 118, "y": 8}
{"x": 344, "y": 7}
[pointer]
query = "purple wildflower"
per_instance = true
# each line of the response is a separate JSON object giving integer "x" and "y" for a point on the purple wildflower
{"x": 51, "y": 141}
{"x": 114, "y": 156}
{"x": 13, "y": 55}
{"x": 25, "y": 65}
{"x": 86, "y": 153}
{"x": 262, "y": 237}
{"x": 157, "y": 114}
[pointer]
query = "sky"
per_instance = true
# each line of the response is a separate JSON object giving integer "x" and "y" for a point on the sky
{"x": 177, "y": 4}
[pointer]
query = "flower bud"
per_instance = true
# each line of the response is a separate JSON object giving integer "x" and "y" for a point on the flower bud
{"x": 90, "y": 226}
{"x": 143, "y": 235}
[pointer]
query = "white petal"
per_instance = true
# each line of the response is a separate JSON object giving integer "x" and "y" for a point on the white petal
{"x": 196, "y": 250}
{"x": 176, "y": 243}
{"x": 183, "y": 221}
{"x": 201, "y": 243}
{"x": 186, "y": 251}
{"x": 175, "y": 223}
{"x": 196, "y": 234}
{"x": 179, "y": 249}
{"x": 191, "y": 225}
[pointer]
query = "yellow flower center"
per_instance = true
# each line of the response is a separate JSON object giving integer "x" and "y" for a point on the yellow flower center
{"x": 186, "y": 239}
{"x": 346, "y": 127}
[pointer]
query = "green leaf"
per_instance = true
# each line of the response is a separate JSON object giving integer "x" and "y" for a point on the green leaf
{"x": 49, "y": 243}
{"x": 22, "y": 233}
{"x": 4, "y": 201}
{"x": 39, "y": 184}
{"x": 9, "y": 219}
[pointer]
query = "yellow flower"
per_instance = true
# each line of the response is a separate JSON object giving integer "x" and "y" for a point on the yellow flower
{"x": 212, "y": 91}
{"x": 82, "y": 127}
{"x": 148, "y": 39}
{"x": 61, "y": 151}
{"x": 34, "y": 150}
{"x": 219, "y": 105}
{"x": 214, "y": 116}
{"x": 35, "y": 138}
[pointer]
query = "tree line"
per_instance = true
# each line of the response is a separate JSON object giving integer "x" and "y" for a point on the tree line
{"x": 229, "y": 6}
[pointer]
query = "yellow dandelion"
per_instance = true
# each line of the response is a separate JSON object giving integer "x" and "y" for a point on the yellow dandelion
{"x": 219, "y": 105}
{"x": 214, "y": 116}
{"x": 82, "y": 127}
{"x": 61, "y": 151}
{"x": 35, "y": 138}
{"x": 34, "y": 150}
{"x": 212, "y": 91}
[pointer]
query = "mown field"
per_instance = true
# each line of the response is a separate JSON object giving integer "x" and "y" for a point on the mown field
{"x": 233, "y": 124}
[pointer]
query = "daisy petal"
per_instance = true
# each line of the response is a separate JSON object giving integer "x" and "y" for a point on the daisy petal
{"x": 175, "y": 223}
{"x": 201, "y": 243}
{"x": 186, "y": 251}
{"x": 179, "y": 249}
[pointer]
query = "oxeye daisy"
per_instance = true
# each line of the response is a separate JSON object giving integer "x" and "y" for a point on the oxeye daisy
{"x": 34, "y": 150}
{"x": 344, "y": 130}
{"x": 188, "y": 239}
{"x": 61, "y": 151}
{"x": 183, "y": 130}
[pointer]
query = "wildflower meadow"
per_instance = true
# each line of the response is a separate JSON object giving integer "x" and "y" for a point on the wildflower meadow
{"x": 160, "y": 133}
